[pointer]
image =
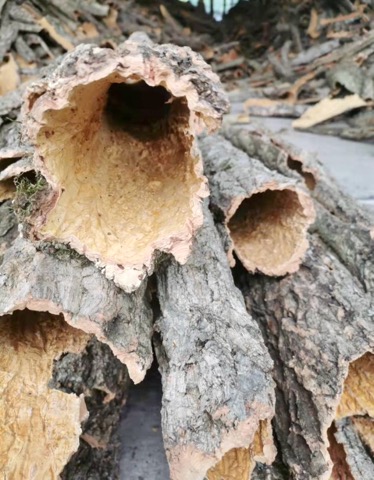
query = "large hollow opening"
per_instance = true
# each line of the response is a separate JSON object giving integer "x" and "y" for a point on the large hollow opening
{"x": 267, "y": 230}
{"x": 121, "y": 155}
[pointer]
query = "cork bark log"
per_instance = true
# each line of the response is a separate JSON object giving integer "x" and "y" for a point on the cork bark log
{"x": 318, "y": 326}
{"x": 109, "y": 175}
{"x": 216, "y": 373}
{"x": 266, "y": 214}
{"x": 95, "y": 122}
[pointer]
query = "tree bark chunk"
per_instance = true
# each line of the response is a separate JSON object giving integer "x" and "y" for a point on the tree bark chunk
{"x": 35, "y": 419}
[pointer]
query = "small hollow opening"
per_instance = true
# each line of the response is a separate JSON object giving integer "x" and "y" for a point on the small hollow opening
{"x": 338, "y": 456}
{"x": 137, "y": 106}
{"x": 356, "y": 406}
{"x": 239, "y": 463}
{"x": 267, "y": 230}
{"x": 296, "y": 165}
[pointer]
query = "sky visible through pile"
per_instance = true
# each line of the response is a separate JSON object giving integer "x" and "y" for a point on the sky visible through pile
{"x": 218, "y": 5}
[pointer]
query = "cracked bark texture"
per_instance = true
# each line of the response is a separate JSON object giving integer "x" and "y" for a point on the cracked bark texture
{"x": 54, "y": 278}
{"x": 266, "y": 214}
{"x": 358, "y": 459}
{"x": 216, "y": 372}
{"x": 13, "y": 149}
{"x": 127, "y": 105}
{"x": 315, "y": 323}
{"x": 104, "y": 381}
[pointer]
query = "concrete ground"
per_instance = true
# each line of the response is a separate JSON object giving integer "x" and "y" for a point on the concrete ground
{"x": 143, "y": 456}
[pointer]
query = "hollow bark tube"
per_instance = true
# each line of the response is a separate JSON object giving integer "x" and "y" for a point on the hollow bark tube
{"x": 35, "y": 419}
{"x": 266, "y": 214}
{"x": 216, "y": 372}
{"x": 114, "y": 136}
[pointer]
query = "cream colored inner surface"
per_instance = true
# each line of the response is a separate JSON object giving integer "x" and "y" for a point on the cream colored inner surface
{"x": 39, "y": 427}
{"x": 121, "y": 155}
{"x": 267, "y": 229}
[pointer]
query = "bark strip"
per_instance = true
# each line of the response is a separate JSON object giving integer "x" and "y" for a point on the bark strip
{"x": 216, "y": 372}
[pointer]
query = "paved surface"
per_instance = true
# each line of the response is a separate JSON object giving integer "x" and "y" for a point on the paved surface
{"x": 143, "y": 457}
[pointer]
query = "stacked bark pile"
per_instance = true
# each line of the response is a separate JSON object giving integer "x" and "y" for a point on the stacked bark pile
{"x": 109, "y": 248}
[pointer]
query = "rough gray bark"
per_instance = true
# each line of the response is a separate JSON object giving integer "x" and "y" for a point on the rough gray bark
{"x": 314, "y": 323}
{"x": 266, "y": 214}
{"x": 359, "y": 460}
{"x": 12, "y": 145}
{"x": 104, "y": 381}
{"x": 216, "y": 373}
{"x": 319, "y": 320}
{"x": 54, "y": 278}
{"x": 8, "y": 226}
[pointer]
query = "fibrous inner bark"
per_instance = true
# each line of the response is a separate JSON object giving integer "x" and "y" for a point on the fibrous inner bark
{"x": 39, "y": 426}
{"x": 267, "y": 229}
{"x": 120, "y": 155}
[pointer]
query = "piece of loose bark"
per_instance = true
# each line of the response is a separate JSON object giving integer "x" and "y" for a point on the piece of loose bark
{"x": 53, "y": 377}
{"x": 327, "y": 109}
{"x": 216, "y": 373}
{"x": 54, "y": 278}
{"x": 39, "y": 426}
{"x": 266, "y": 214}
{"x": 114, "y": 136}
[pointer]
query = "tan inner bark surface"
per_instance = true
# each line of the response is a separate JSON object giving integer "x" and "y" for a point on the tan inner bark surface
{"x": 267, "y": 228}
{"x": 358, "y": 393}
{"x": 39, "y": 427}
{"x": 357, "y": 401}
{"x": 239, "y": 463}
{"x": 121, "y": 154}
{"x": 7, "y": 190}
